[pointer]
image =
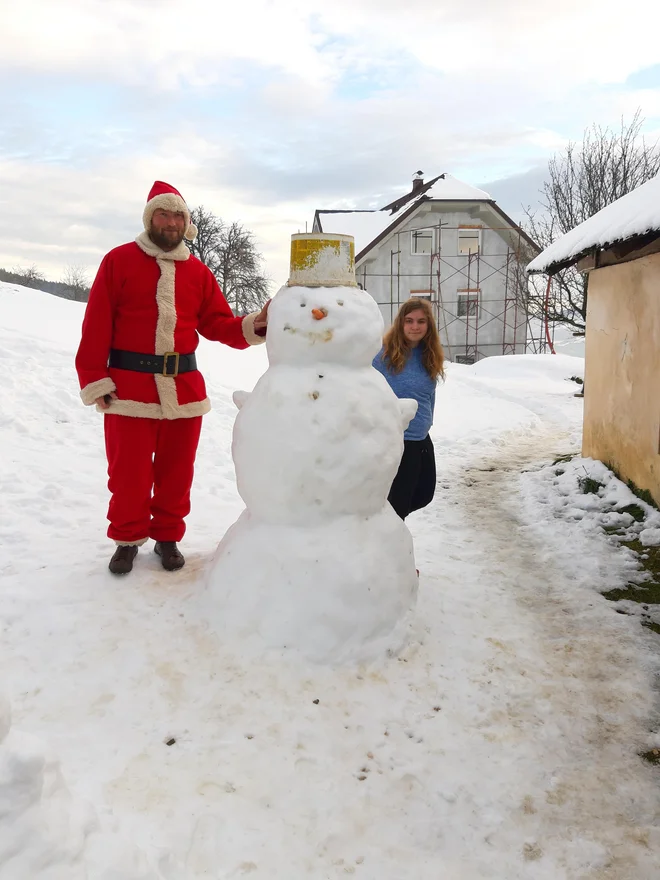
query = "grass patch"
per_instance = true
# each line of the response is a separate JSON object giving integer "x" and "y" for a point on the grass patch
{"x": 577, "y": 380}
{"x": 643, "y": 494}
{"x": 564, "y": 459}
{"x": 655, "y": 627}
{"x": 589, "y": 486}
{"x": 634, "y": 510}
{"x": 647, "y": 593}
{"x": 653, "y": 757}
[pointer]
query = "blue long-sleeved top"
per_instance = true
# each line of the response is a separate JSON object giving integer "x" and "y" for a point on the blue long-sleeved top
{"x": 413, "y": 382}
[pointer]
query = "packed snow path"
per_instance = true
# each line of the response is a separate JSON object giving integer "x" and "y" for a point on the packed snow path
{"x": 501, "y": 744}
{"x": 568, "y": 696}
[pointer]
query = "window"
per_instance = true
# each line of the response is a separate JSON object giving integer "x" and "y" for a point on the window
{"x": 468, "y": 304}
{"x": 464, "y": 359}
{"x": 421, "y": 241}
{"x": 468, "y": 241}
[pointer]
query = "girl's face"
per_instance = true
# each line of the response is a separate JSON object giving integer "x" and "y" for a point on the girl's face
{"x": 415, "y": 326}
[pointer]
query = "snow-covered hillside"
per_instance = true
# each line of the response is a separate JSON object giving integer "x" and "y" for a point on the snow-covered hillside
{"x": 501, "y": 745}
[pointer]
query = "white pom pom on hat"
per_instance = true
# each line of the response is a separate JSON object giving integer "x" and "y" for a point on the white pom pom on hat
{"x": 167, "y": 198}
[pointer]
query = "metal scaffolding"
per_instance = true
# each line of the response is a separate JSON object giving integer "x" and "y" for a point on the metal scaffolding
{"x": 453, "y": 284}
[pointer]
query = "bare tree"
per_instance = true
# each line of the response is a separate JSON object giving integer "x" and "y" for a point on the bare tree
{"x": 30, "y": 277}
{"x": 240, "y": 270}
{"x": 583, "y": 179}
{"x": 230, "y": 252}
{"x": 76, "y": 283}
{"x": 209, "y": 236}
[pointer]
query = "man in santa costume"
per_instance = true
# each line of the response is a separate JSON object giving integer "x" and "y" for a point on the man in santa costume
{"x": 136, "y": 362}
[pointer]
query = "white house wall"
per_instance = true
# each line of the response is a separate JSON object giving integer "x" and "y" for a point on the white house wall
{"x": 391, "y": 273}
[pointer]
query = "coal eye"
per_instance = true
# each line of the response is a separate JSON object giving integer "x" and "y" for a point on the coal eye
{"x": 340, "y": 302}
{"x": 303, "y": 305}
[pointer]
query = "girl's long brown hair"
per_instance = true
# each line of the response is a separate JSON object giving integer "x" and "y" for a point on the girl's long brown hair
{"x": 397, "y": 348}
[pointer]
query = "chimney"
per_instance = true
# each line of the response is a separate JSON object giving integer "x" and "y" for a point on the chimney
{"x": 418, "y": 181}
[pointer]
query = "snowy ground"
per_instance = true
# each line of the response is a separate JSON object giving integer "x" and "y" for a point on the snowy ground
{"x": 502, "y": 744}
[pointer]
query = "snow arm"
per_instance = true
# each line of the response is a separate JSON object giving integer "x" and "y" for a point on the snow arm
{"x": 239, "y": 398}
{"x": 408, "y": 410}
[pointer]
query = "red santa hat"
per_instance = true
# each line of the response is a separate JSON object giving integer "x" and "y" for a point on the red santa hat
{"x": 165, "y": 197}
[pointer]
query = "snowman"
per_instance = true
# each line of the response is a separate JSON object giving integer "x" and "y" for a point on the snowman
{"x": 318, "y": 562}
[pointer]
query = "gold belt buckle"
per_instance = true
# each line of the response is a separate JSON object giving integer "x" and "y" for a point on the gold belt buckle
{"x": 175, "y": 355}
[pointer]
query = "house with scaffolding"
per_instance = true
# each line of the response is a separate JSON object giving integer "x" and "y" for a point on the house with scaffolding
{"x": 450, "y": 243}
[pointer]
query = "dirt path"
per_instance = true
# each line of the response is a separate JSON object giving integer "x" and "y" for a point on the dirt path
{"x": 590, "y": 689}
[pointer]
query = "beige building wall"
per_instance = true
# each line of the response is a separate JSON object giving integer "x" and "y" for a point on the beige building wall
{"x": 622, "y": 371}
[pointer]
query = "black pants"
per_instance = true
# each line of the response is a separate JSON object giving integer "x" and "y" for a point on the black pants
{"x": 414, "y": 484}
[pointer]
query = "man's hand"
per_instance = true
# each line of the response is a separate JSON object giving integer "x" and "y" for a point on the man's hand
{"x": 261, "y": 321}
{"x": 104, "y": 402}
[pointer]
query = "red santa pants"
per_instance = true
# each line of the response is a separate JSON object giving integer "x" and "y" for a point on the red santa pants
{"x": 150, "y": 468}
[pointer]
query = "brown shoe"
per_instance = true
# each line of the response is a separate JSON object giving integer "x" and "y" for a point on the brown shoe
{"x": 170, "y": 555}
{"x": 122, "y": 560}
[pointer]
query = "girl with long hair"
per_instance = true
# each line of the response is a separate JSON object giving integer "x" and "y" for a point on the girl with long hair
{"x": 412, "y": 361}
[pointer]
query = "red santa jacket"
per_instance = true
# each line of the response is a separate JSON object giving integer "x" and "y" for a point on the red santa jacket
{"x": 152, "y": 301}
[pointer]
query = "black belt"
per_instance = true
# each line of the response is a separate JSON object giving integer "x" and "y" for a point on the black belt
{"x": 169, "y": 364}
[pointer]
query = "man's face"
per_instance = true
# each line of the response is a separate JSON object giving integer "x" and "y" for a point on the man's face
{"x": 167, "y": 229}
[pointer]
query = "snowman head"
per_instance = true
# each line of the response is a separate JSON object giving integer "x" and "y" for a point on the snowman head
{"x": 341, "y": 325}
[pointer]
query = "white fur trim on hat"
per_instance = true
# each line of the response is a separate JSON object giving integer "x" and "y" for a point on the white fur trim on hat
{"x": 169, "y": 202}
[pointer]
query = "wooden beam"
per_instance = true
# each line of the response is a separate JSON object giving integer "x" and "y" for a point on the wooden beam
{"x": 586, "y": 264}
{"x": 624, "y": 252}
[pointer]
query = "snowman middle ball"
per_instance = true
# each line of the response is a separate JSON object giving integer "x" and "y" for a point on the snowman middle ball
{"x": 321, "y": 435}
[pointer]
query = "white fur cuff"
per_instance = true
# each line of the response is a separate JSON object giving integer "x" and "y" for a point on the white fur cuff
{"x": 248, "y": 330}
{"x": 132, "y": 543}
{"x": 96, "y": 389}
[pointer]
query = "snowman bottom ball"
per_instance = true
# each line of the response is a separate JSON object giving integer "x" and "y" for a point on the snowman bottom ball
{"x": 340, "y": 591}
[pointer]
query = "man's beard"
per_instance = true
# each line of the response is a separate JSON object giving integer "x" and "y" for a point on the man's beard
{"x": 166, "y": 241}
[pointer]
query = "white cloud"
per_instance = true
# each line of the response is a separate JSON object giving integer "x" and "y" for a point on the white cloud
{"x": 56, "y": 217}
{"x": 334, "y": 105}
{"x": 167, "y": 42}
{"x": 162, "y": 43}
{"x": 585, "y": 41}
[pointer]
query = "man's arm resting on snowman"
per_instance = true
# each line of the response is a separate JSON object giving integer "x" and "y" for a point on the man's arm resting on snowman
{"x": 94, "y": 348}
{"x": 218, "y": 323}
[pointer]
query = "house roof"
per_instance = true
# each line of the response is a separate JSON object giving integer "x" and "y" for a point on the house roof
{"x": 368, "y": 228}
{"x": 449, "y": 189}
{"x": 444, "y": 187}
{"x": 634, "y": 215}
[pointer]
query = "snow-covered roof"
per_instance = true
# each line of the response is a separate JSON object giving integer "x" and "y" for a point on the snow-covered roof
{"x": 633, "y": 215}
{"x": 364, "y": 226}
{"x": 450, "y": 189}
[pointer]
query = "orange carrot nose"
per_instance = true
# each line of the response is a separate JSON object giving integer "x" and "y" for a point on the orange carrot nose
{"x": 319, "y": 314}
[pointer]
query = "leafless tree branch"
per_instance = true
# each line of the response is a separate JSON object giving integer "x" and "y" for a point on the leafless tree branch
{"x": 230, "y": 252}
{"x": 582, "y": 180}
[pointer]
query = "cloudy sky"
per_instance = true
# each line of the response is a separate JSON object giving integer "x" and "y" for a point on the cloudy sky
{"x": 264, "y": 110}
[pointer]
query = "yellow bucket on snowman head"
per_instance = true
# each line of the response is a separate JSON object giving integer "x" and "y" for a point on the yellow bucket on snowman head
{"x": 322, "y": 259}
